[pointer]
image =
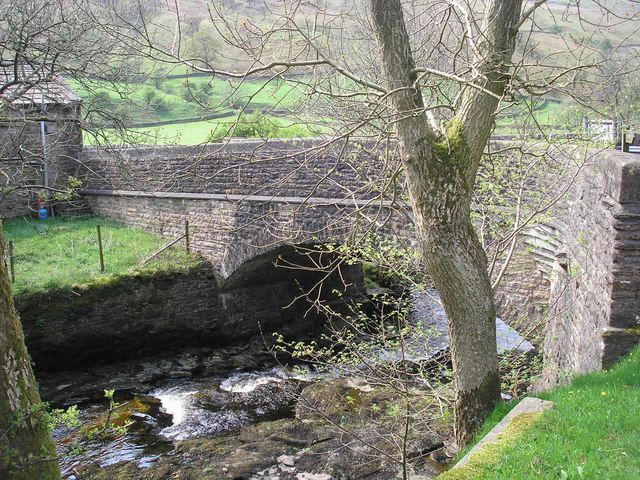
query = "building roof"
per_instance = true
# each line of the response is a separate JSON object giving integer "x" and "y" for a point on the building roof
{"x": 34, "y": 86}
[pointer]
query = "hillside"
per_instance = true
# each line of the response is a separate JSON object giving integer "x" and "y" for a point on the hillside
{"x": 172, "y": 103}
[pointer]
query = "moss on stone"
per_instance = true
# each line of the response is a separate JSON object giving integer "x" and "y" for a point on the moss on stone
{"x": 62, "y": 302}
{"x": 491, "y": 452}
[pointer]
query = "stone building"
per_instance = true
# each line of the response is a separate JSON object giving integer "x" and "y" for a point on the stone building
{"x": 40, "y": 137}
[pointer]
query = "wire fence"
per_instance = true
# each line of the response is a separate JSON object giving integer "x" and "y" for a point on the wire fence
{"x": 10, "y": 253}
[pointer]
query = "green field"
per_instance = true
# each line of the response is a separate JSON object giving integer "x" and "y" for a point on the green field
{"x": 199, "y": 132}
{"x": 173, "y": 99}
{"x": 593, "y": 432}
{"x": 150, "y": 96}
{"x": 526, "y": 114}
{"x": 63, "y": 252}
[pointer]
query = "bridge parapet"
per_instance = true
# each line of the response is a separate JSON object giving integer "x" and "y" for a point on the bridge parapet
{"x": 247, "y": 198}
{"x": 283, "y": 168}
{"x": 595, "y": 300}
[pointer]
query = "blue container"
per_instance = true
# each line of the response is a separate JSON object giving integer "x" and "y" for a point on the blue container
{"x": 43, "y": 214}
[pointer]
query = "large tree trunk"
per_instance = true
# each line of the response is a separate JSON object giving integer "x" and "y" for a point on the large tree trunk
{"x": 440, "y": 169}
{"x": 26, "y": 449}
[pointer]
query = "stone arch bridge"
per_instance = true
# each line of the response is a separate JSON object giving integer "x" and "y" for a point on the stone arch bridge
{"x": 249, "y": 201}
{"x": 251, "y": 207}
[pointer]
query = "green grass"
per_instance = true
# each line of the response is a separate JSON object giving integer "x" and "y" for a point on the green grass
{"x": 214, "y": 96}
{"x": 563, "y": 116}
{"x": 196, "y": 133}
{"x": 63, "y": 252}
{"x": 139, "y": 103}
{"x": 593, "y": 432}
{"x": 226, "y": 93}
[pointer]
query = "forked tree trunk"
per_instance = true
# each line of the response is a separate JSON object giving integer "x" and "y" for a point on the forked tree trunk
{"x": 440, "y": 169}
{"x": 26, "y": 448}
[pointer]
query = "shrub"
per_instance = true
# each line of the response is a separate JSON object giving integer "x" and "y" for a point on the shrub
{"x": 258, "y": 125}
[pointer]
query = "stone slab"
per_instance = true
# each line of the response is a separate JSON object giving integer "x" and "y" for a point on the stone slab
{"x": 527, "y": 405}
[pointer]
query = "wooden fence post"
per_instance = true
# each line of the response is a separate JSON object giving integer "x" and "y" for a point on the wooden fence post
{"x": 624, "y": 143}
{"x": 11, "y": 262}
{"x": 186, "y": 237}
{"x": 100, "y": 249}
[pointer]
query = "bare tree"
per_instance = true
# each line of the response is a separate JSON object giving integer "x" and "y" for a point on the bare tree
{"x": 440, "y": 171}
{"x": 435, "y": 80}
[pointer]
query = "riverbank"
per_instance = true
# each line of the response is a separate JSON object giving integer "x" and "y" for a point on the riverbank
{"x": 592, "y": 432}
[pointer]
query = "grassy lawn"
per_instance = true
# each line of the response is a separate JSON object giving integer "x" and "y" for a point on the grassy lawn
{"x": 593, "y": 432}
{"x": 64, "y": 251}
{"x": 225, "y": 93}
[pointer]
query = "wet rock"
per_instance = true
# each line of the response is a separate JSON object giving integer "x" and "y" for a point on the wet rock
{"x": 319, "y": 431}
{"x": 286, "y": 449}
{"x": 441, "y": 456}
{"x": 268, "y": 401}
{"x": 287, "y": 460}
{"x": 364, "y": 416}
{"x": 87, "y": 385}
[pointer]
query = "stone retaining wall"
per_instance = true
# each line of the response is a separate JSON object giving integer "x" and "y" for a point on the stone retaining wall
{"x": 140, "y": 314}
{"x": 595, "y": 300}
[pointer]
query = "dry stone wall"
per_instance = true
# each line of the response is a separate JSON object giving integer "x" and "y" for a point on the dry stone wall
{"x": 281, "y": 168}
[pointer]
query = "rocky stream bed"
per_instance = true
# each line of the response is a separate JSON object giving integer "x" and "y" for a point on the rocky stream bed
{"x": 235, "y": 413}
{"x": 223, "y": 414}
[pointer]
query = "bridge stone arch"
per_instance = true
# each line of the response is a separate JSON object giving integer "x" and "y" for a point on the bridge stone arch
{"x": 277, "y": 287}
{"x": 260, "y": 228}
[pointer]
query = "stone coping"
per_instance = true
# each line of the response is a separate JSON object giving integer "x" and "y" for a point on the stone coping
{"x": 527, "y": 405}
{"x": 315, "y": 201}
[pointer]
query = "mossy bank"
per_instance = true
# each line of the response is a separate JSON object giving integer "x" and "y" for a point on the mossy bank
{"x": 122, "y": 316}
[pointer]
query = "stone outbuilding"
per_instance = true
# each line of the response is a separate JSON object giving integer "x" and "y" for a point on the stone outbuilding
{"x": 40, "y": 136}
